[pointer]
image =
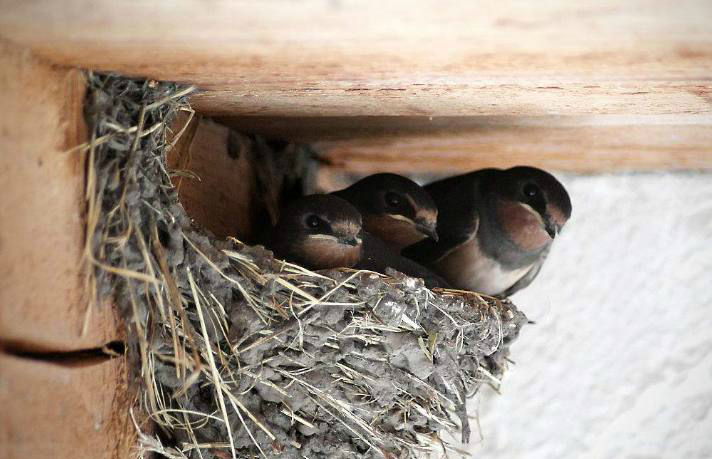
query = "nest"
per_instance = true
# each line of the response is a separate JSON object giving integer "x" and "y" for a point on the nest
{"x": 238, "y": 354}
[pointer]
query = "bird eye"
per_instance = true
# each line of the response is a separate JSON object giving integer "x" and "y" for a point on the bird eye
{"x": 393, "y": 199}
{"x": 313, "y": 221}
{"x": 531, "y": 191}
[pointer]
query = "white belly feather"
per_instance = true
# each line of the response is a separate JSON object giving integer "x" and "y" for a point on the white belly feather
{"x": 468, "y": 268}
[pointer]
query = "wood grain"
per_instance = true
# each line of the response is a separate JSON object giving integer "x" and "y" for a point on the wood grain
{"x": 220, "y": 195}
{"x": 439, "y": 145}
{"x": 54, "y": 411}
{"x": 42, "y": 300}
{"x": 49, "y": 408}
{"x": 315, "y": 58}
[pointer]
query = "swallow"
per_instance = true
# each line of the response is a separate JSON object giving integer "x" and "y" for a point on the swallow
{"x": 377, "y": 255}
{"x": 325, "y": 232}
{"x": 496, "y": 228}
{"x": 394, "y": 208}
{"x": 319, "y": 232}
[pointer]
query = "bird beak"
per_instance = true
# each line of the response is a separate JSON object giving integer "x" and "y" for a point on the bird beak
{"x": 551, "y": 228}
{"x": 428, "y": 229}
{"x": 350, "y": 240}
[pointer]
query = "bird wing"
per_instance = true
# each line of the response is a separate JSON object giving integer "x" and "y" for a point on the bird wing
{"x": 527, "y": 279}
{"x": 376, "y": 256}
{"x": 458, "y": 233}
{"x": 458, "y": 218}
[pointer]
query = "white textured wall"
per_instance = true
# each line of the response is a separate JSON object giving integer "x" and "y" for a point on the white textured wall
{"x": 619, "y": 364}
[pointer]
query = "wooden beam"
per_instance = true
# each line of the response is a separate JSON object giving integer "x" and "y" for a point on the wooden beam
{"x": 44, "y": 304}
{"x": 62, "y": 412}
{"x": 50, "y": 408}
{"x": 392, "y": 58}
{"x": 219, "y": 189}
{"x": 418, "y": 145}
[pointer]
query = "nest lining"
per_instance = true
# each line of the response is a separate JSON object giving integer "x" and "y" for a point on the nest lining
{"x": 238, "y": 354}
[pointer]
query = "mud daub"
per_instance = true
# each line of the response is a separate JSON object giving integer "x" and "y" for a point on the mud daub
{"x": 238, "y": 354}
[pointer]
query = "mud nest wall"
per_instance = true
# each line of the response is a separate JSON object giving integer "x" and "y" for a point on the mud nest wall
{"x": 237, "y": 354}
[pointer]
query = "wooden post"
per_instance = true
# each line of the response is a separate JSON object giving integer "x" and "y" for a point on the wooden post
{"x": 51, "y": 406}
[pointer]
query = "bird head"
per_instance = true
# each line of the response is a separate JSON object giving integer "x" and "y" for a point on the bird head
{"x": 320, "y": 232}
{"x": 394, "y": 208}
{"x": 531, "y": 205}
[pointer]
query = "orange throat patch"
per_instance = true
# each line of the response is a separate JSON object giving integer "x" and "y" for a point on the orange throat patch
{"x": 522, "y": 224}
{"x": 398, "y": 234}
{"x": 328, "y": 253}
